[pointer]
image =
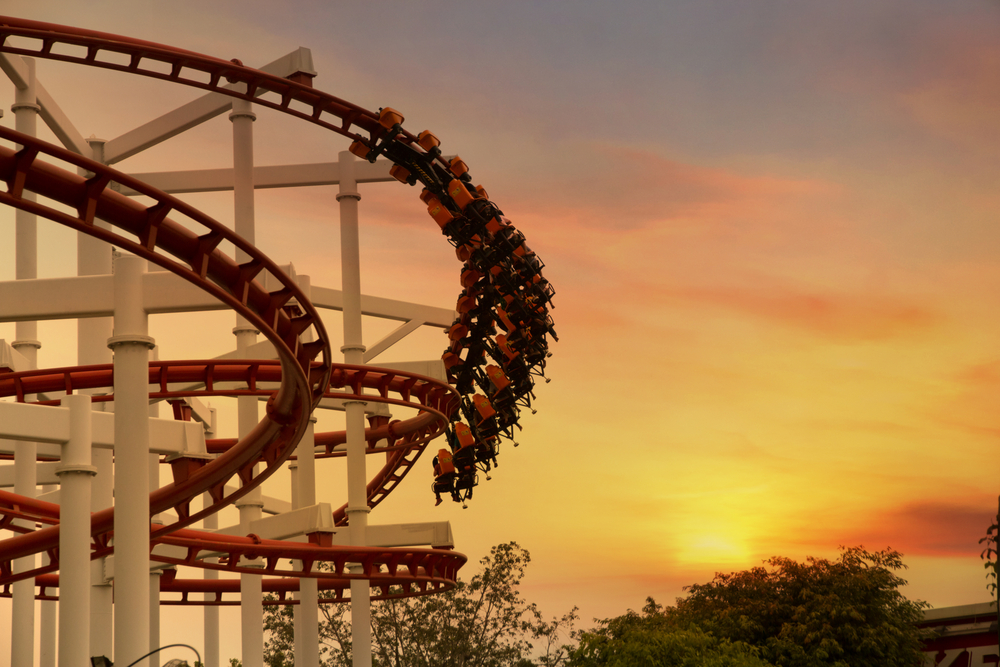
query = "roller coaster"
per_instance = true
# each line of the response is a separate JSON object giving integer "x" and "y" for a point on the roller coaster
{"x": 498, "y": 344}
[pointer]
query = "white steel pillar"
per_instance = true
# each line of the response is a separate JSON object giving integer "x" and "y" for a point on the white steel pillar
{"x": 307, "y": 611}
{"x": 75, "y": 472}
{"x": 47, "y": 639}
{"x": 154, "y": 609}
{"x": 250, "y": 506}
{"x": 22, "y": 639}
{"x": 156, "y": 521}
{"x": 93, "y": 257}
{"x": 131, "y": 345}
{"x": 211, "y": 612}
{"x": 353, "y": 349}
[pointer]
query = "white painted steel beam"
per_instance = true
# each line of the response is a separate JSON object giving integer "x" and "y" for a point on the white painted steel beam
{"x": 92, "y": 296}
{"x": 390, "y": 309}
{"x": 17, "y": 71}
{"x": 50, "y": 424}
{"x": 272, "y": 176}
{"x": 316, "y": 518}
{"x": 196, "y": 112}
{"x": 436, "y": 534}
{"x": 11, "y": 359}
{"x": 45, "y": 474}
{"x": 56, "y": 298}
{"x": 271, "y": 505}
{"x": 393, "y": 337}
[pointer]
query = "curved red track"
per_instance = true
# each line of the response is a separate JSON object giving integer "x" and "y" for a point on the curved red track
{"x": 304, "y": 369}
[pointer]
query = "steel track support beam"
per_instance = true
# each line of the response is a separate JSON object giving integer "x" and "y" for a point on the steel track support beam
{"x": 75, "y": 475}
{"x": 250, "y": 506}
{"x": 307, "y": 611}
{"x": 198, "y": 111}
{"x": 131, "y": 345}
{"x": 354, "y": 350}
{"x": 16, "y": 69}
{"x": 26, "y": 343}
{"x": 94, "y": 263}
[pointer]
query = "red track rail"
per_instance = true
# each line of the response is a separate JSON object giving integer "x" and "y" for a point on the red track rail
{"x": 306, "y": 373}
{"x": 304, "y": 370}
{"x": 98, "y": 49}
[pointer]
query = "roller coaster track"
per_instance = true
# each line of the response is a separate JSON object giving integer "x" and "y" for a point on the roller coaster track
{"x": 506, "y": 278}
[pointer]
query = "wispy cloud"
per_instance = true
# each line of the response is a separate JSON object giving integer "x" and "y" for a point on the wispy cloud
{"x": 838, "y": 315}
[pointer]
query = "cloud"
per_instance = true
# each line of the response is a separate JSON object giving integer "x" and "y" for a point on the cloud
{"x": 838, "y": 315}
{"x": 930, "y": 527}
{"x": 623, "y": 188}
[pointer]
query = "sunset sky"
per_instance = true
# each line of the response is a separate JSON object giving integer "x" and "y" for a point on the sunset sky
{"x": 771, "y": 227}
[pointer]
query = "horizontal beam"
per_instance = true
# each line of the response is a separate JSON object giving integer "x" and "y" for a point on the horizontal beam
{"x": 45, "y": 473}
{"x": 164, "y": 292}
{"x": 275, "y": 176}
{"x": 197, "y": 111}
{"x": 93, "y": 296}
{"x": 50, "y": 424}
{"x": 316, "y": 518}
{"x": 390, "y": 339}
{"x": 271, "y": 505}
{"x": 11, "y": 359}
{"x": 390, "y": 309}
{"x": 16, "y": 70}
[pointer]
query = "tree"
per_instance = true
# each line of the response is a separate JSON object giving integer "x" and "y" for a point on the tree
{"x": 653, "y": 639}
{"x": 991, "y": 556}
{"x": 844, "y": 613}
{"x": 483, "y": 623}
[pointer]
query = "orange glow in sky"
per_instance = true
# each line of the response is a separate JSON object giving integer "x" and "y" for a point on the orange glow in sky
{"x": 773, "y": 233}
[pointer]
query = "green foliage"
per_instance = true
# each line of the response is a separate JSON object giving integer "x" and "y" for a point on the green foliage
{"x": 483, "y": 623}
{"x": 653, "y": 639}
{"x": 847, "y": 613}
{"x": 989, "y": 555}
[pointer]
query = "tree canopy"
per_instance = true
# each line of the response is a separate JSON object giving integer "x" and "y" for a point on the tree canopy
{"x": 481, "y": 623}
{"x": 843, "y": 613}
{"x": 653, "y": 639}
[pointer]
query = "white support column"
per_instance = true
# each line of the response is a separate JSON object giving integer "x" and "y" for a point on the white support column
{"x": 250, "y": 506}
{"x": 154, "y": 609}
{"x": 353, "y": 349}
{"x": 93, "y": 257}
{"x": 154, "y": 575}
{"x": 75, "y": 473}
{"x": 211, "y": 653}
{"x": 22, "y": 639}
{"x": 48, "y": 639}
{"x": 131, "y": 345}
{"x": 307, "y": 611}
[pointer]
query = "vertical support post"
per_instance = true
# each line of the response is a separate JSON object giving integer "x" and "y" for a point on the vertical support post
{"x": 211, "y": 613}
{"x": 22, "y": 639}
{"x": 75, "y": 473}
{"x": 353, "y": 349}
{"x": 131, "y": 345}
{"x": 251, "y": 594}
{"x": 307, "y": 611}
{"x": 154, "y": 609}
{"x": 47, "y": 639}
{"x": 156, "y": 521}
{"x": 93, "y": 257}
{"x": 211, "y": 621}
